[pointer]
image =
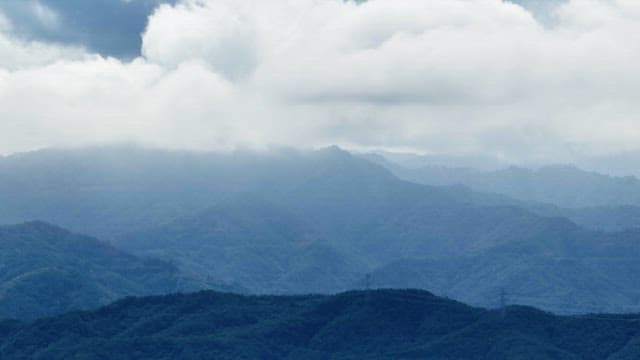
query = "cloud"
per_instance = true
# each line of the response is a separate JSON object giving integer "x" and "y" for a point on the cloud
{"x": 16, "y": 54}
{"x": 441, "y": 76}
{"x": 222, "y": 33}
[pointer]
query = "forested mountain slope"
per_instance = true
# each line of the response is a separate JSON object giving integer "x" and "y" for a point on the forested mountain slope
{"x": 253, "y": 243}
{"x": 381, "y": 324}
{"x": 564, "y": 285}
{"x": 45, "y": 270}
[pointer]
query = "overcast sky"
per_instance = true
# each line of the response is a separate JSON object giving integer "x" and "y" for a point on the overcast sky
{"x": 537, "y": 81}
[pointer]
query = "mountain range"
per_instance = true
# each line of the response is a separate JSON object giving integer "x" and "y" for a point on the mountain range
{"x": 296, "y": 222}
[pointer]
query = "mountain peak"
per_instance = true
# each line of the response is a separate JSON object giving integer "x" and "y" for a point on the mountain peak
{"x": 334, "y": 150}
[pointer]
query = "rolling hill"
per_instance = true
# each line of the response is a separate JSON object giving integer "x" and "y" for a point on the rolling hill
{"x": 381, "y": 324}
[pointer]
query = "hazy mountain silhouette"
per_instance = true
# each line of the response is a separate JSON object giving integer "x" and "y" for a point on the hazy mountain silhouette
{"x": 561, "y": 185}
{"x": 590, "y": 199}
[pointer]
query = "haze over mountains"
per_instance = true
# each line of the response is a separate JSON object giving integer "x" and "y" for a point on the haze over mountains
{"x": 562, "y": 185}
{"x": 588, "y": 198}
{"x": 295, "y": 222}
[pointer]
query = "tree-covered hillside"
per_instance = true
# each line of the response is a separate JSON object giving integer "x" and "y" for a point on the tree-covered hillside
{"x": 45, "y": 270}
{"x": 253, "y": 243}
{"x": 381, "y": 324}
{"x": 565, "y": 285}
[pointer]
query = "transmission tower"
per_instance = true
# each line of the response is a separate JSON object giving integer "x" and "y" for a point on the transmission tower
{"x": 503, "y": 302}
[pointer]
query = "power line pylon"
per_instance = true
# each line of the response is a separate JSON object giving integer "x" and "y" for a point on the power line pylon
{"x": 503, "y": 302}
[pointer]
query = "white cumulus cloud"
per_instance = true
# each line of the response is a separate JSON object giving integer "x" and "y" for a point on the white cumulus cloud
{"x": 442, "y": 76}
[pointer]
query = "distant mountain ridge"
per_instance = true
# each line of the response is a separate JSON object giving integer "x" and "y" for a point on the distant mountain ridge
{"x": 380, "y": 324}
{"x": 590, "y": 199}
{"x": 563, "y": 185}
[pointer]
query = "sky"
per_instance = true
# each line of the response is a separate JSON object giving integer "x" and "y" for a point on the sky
{"x": 526, "y": 82}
